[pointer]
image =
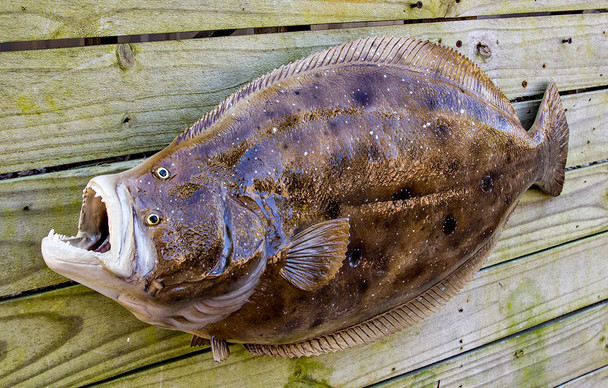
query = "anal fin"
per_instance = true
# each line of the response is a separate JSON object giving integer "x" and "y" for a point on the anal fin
{"x": 219, "y": 349}
{"x": 314, "y": 256}
{"x": 199, "y": 341}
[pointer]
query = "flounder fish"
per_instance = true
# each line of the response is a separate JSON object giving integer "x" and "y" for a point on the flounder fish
{"x": 329, "y": 203}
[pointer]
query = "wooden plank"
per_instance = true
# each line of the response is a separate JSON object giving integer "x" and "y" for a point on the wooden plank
{"x": 69, "y": 105}
{"x": 540, "y": 222}
{"x": 73, "y": 335}
{"x": 29, "y": 207}
{"x": 543, "y": 357}
{"x": 598, "y": 378}
{"x": 53, "y": 201}
{"x": 35, "y": 20}
{"x": 498, "y": 302}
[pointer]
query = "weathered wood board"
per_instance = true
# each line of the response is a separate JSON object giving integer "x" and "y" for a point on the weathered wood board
{"x": 53, "y": 201}
{"x": 71, "y": 336}
{"x": 596, "y": 379}
{"x": 534, "y": 316}
{"x": 69, "y": 105}
{"x": 554, "y": 352}
{"x": 34, "y": 20}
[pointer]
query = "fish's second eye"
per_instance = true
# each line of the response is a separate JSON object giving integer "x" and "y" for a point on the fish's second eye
{"x": 152, "y": 219}
{"x": 162, "y": 173}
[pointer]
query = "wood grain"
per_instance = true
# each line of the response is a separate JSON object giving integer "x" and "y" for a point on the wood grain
{"x": 70, "y": 105}
{"x": 598, "y": 378}
{"x": 74, "y": 335}
{"x": 29, "y": 208}
{"x": 546, "y": 356}
{"x": 498, "y": 302}
{"x": 36, "y": 20}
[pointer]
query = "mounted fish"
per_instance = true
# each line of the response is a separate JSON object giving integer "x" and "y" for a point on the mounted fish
{"x": 327, "y": 204}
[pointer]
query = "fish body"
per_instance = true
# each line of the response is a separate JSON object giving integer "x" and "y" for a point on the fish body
{"x": 331, "y": 202}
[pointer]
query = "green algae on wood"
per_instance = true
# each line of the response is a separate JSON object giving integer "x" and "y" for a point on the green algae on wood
{"x": 70, "y": 337}
{"x": 547, "y": 355}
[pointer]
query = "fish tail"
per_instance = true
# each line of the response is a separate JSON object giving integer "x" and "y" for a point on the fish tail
{"x": 550, "y": 133}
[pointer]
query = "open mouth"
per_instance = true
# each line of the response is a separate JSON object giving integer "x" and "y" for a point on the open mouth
{"x": 105, "y": 231}
{"x": 94, "y": 228}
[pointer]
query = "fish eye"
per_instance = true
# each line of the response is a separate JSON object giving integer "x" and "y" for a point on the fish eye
{"x": 162, "y": 173}
{"x": 152, "y": 219}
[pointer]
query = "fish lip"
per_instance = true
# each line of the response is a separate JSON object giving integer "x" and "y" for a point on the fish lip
{"x": 106, "y": 202}
{"x": 117, "y": 200}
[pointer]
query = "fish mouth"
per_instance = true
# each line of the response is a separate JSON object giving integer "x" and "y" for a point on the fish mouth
{"x": 104, "y": 243}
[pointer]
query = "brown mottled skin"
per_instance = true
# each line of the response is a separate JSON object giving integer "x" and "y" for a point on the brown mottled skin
{"x": 426, "y": 172}
{"x": 325, "y": 205}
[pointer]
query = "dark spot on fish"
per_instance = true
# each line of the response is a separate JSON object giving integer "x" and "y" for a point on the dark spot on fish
{"x": 285, "y": 146}
{"x": 449, "y": 225}
{"x": 317, "y": 321}
{"x": 459, "y": 43}
{"x": 487, "y": 183}
{"x": 332, "y": 209}
{"x": 333, "y": 124}
{"x": 431, "y": 103}
{"x": 355, "y": 256}
{"x": 417, "y": 4}
{"x": 26, "y": 208}
{"x": 569, "y": 40}
{"x": 544, "y": 65}
{"x": 297, "y": 92}
{"x": 363, "y": 286}
{"x": 402, "y": 194}
{"x": 126, "y": 120}
{"x": 524, "y": 83}
{"x": 361, "y": 97}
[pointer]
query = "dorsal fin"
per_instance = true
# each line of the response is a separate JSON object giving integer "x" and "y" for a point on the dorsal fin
{"x": 413, "y": 54}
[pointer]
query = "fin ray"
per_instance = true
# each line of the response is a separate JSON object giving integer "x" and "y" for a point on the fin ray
{"x": 315, "y": 255}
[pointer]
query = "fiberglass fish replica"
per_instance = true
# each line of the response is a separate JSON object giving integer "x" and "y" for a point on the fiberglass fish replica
{"x": 331, "y": 202}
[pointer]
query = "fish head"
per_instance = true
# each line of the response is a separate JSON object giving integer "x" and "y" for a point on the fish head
{"x": 161, "y": 237}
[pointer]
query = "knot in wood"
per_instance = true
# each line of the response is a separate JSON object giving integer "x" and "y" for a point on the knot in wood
{"x": 126, "y": 56}
{"x": 484, "y": 50}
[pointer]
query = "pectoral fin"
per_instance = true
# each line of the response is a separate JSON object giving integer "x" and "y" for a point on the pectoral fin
{"x": 315, "y": 255}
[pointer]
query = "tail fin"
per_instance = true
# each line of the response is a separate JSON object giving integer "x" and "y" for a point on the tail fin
{"x": 550, "y": 131}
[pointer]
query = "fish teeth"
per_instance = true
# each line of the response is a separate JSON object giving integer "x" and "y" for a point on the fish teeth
{"x": 51, "y": 233}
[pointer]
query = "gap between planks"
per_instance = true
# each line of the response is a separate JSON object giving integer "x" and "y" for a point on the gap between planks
{"x": 37, "y": 21}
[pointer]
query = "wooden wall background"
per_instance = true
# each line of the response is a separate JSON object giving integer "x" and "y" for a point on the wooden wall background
{"x": 91, "y": 87}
